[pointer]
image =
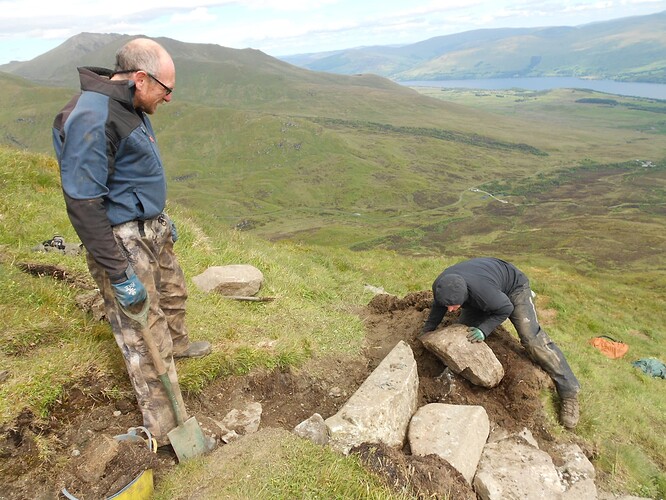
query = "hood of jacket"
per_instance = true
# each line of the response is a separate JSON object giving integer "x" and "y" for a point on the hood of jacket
{"x": 450, "y": 290}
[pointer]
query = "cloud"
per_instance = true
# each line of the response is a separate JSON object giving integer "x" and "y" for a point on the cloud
{"x": 197, "y": 15}
{"x": 288, "y": 26}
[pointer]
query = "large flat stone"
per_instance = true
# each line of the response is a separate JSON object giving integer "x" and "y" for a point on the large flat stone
{"x": 513, "y": 468}
{"x": 456, "y": 433}
{"x": 231, "y": 280}
{"x": 380, "y": 410}
{"x": 474, "y": 361}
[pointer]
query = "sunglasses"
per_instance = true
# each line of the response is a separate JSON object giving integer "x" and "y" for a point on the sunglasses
{"x": 167, "y": 89}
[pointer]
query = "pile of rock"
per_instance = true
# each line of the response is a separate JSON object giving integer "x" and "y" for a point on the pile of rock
{"x": 496, "y": 464}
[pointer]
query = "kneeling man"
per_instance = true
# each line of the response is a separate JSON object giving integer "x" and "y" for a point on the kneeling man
{"x": 490, "y": 290}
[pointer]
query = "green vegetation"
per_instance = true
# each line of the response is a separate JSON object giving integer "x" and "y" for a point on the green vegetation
{"x": 368, "y": 183}
{"x": 280, "y": 466}
{"x": 48, "y": 345}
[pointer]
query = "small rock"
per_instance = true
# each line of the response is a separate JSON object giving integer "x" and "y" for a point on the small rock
{"x": 314, "y": 429}
{"x": 234, "y": 279}
{"x": 374, "y": 289}
{"x": 229, "y": 437}
{"x": 336, "y": 392}
{"x": 245, "y": 421}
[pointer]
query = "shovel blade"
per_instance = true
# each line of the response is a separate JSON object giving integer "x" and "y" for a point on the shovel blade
{"x": 188, "y": 440}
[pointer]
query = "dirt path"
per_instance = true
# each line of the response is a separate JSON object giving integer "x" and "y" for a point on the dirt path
{"x": 287, "y": 398}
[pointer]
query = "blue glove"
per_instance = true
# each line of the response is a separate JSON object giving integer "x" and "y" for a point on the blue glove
{"x": 131, "y": 291}
{"x": 475, "y": 335}
{"x": 174, "y": 232}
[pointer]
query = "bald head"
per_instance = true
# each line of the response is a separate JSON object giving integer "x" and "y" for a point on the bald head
{"x": 143, "y": 53}
{"x": 151, "y": 68}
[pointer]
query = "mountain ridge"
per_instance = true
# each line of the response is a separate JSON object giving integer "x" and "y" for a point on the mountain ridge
{"x": 625, "y": 49}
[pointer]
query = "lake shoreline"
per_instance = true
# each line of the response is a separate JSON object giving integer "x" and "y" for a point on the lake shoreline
{"x": 628, "y": 89}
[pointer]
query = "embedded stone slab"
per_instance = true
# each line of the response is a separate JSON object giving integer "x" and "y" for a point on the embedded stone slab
{"x": 232, "y": 280}
{"x": 380, "y": 410}
{"x": 474, "y": 361}
{"x": 577, "y": 473}
{"x": 498, "y": 433}
{"x": 513, "y": 468}
{"x": 456, "y": 433}
{"x": 243, "y": 421}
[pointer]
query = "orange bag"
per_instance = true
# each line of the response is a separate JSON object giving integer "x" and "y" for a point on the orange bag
{"x": 610, "y": 347}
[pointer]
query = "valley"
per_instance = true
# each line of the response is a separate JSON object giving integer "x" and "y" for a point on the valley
{"x": 329, "y": 183}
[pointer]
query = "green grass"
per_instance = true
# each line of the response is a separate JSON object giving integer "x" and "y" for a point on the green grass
{"x": 48, "y": 345}
{"x": 275, "y": 464}
{"x": 362, "y": 163}
{"x": 620, "y": 404}
{"x": 585, "y": 223}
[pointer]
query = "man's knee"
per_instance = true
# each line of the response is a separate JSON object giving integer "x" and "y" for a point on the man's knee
{"x": 541, "y": 349}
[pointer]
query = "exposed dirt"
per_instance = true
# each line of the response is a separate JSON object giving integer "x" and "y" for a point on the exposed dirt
{"x": 85, "y": 419}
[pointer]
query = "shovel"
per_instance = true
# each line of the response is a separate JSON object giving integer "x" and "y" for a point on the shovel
{"x": 187, "y": 439}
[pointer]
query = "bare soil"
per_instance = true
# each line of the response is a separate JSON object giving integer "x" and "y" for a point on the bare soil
{"x": 81, "y": 426}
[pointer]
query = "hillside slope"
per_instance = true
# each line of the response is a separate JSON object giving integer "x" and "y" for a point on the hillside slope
{"x": 207, "y": 73}
{"x": 63, "y": 382}
{"x": 377, "y": 165}
{"x": 627, "y": 49}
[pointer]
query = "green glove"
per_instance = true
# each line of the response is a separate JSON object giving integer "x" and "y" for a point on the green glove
{"x": 475, "y": 335}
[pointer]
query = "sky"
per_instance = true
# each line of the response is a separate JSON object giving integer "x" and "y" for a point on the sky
{"x": 29, "y": 28}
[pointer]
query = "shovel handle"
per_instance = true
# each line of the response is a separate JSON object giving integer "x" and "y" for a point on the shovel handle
{"x": 142, "y": 318}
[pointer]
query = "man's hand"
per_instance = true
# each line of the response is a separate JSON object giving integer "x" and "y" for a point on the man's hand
{"x": 475, "y": 335}
{"x": 131, "y": 291}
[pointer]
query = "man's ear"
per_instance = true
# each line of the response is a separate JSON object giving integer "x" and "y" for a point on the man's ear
{"x": 140, "y": 80}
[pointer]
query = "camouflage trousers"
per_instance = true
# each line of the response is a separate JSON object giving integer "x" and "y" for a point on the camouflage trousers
{"x": 148, "y": 246}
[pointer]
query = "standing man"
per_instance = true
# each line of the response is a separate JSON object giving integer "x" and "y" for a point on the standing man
{"x": 115, "y": 193}
{"x": 489, "y": 291}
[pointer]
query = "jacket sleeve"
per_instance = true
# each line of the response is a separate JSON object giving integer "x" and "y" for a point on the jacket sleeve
{"x": 91, "y": 224}
{"x": 498, "y": 307}
{"x": 435, "y": 317}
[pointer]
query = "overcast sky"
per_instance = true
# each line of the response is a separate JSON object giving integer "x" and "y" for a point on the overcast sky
{"x": 29, "y": 28}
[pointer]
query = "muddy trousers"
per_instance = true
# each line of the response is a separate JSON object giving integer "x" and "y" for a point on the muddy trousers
{"x": 148, "y": 246}
{"x": 534, "y": 339}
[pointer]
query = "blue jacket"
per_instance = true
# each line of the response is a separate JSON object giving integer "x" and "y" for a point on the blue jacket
{"x": 110, "y": 165}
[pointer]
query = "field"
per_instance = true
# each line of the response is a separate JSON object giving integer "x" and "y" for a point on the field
{"x": 573, "y": 192}
{"x": 536, "y": 166}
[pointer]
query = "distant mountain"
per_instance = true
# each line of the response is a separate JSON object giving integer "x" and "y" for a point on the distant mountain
{"x": 628, "y": 49}
{"x": 207, "y": 73}
{"x": 55, "y": 66}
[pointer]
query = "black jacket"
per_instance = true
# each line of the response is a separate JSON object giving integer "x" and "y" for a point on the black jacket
{"x": 483, "y": 284}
